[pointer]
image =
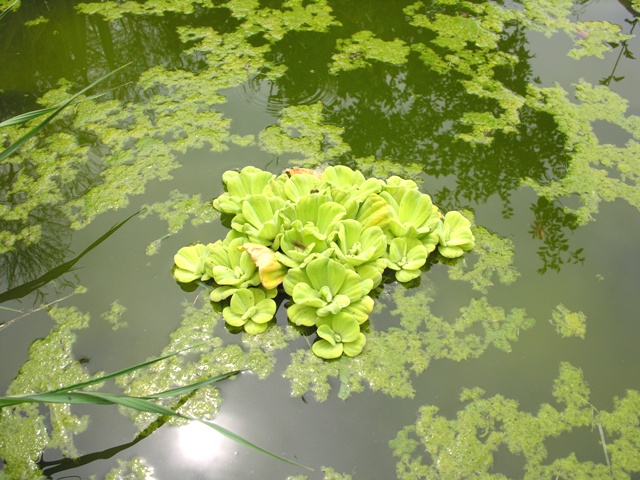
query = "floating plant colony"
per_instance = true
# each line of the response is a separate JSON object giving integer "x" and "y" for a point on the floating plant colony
{"x": 324, "y": 237}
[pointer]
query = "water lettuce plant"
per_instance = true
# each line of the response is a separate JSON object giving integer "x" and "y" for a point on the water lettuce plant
{"x": 250, "y": 309}
{"x": 324, "y": 239}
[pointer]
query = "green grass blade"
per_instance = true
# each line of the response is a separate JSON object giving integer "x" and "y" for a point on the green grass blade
{"x": 238, "y": 439}
{"x": 151, "y": 407}
{"x": 25, "y": 117}
{"x": 174, "y": 392}
{"x": 124, "y": 371}
{"x": 10, "y": 309}
{"x": 32, "y": 285}
{"x": 52, "y": 397}
{"x": 142, "y": 404}
{"x": 18, "y": 143}
{"x": 7, "y": 10}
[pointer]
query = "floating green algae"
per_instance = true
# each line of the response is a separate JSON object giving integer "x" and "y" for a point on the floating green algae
{"x": 568, "y": 323}
{"x": 24, "y": 430}
{"x": 176, "y": 211}
{"x": 273, "y": 23}
{"x": 363, "y": 47}
{"x": 329, "y": 474}
{"x": 481, "y": 27}
{"x": 597, "y": 171}
{"x": 466, "y": 446}
{"x": 492, "y": 259}
{"x": 114, "y": 315}
{"x": 134, "y": 469}
{"x": 115, "y": 10}
{"x": 393, "y": 355}
{"x": 302, "y": 130}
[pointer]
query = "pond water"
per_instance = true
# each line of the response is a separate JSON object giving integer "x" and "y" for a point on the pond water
{"x": 517, "y": 360}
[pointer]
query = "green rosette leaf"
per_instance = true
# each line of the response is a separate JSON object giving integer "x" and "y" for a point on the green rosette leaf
{"x": 275, "y": 187}
{"x": 240, "y": 186}
{"x": 299, "y": 242}
{"x": 299, "y": 186}
{"x": 406, "y": 256}
{"x": 340, "y": 176}
{"x": 356, "y": 245}
{"x": 305, "y": 294}
{"x": 325, "y": 272}
{"x": 234, "y": 266}
{"x": 315, "y": 210}
{"x": 190, "y": 263}
{"x": 374, "y": 211}
{"x": 455, "y": 235}
{"x": 413, "y": 216}
{"x": 302, "y": 315}
{"x": 396, "y": 187}
{"x": 341, "y": 334}
{"x": 250, "y": 309}
{"x": 372, "y": 271}
{"x": 360, "y": 310}
{"x": 259, "y": 220}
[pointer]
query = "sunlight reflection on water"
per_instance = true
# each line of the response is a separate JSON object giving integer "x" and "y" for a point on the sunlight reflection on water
{"x": 199, "y": 444}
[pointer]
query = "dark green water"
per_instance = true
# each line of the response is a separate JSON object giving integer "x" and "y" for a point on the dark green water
{"x": 521, "y": 115}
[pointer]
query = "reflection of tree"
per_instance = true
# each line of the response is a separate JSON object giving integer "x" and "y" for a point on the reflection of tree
{"x": 414, "y": 113}
{"x": 37, "y": 240}
{"x": 32, "y": 56}
{"x": 624, "y": 51}
{"x": 549, "y": 226}
{"x": 35, "y": 284}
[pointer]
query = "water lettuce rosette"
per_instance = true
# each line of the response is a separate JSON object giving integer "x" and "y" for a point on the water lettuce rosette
{"x": 339, "y": 335}
{"x": 412, "y": 214}
{"x": 326, "y": 287}
{"x": 251, "y": 309}
{"x": 455, "y": 235}
{"x": 259, "y": 220}
{"x": 325, "y": 238}
{"x": 190, "y": 263}
{"x": 406, "y": 257}
{"x": 361, "y": 249}
{"x": 231, "y": 268}
{"x": 239, "y": 187}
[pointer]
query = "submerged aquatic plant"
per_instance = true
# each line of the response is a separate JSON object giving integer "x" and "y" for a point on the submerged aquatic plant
{"x": 326, "y": 237}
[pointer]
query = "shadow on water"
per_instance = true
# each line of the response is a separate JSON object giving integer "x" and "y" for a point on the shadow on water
{"x": 33, "y": 285}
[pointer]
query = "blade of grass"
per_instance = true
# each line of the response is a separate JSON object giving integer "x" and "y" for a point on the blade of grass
{"x": 25, "y": 117}
{"x": 26, "y": 288}
{"x": 194, "y": 386}
{"x": 124, "y": 371}
{"x": 147, "y": 406}
{"x": 10, "y": 309}
{"x": 142, "y": 404}
{"x": 73, "y": 395}
{"x": 18, "y": 143}
{"x": 7, "y": 10}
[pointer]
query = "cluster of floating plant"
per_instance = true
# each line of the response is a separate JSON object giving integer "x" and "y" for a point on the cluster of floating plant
{"x": 326, "y": 237}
